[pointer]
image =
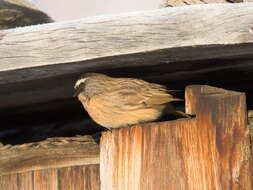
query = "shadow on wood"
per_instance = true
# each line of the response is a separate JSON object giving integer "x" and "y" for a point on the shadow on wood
{"x": 211, "y": 151}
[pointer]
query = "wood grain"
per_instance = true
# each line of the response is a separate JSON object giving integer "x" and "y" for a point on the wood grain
{"x": 51, "y": 153}
{"x": 85, "y": 177}
{"x": 210, "y": 151}
{"x": 103, "y": 36}
{"x": 45, "y": 179}
{"x": 9, "y": 182}
{"x": 22, "y": 181}
{"x": 79, "y": 178}
{"x": 25, "y": 180}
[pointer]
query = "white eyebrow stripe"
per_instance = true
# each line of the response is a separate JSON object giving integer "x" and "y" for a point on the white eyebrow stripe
{"x": 79, "y": 82}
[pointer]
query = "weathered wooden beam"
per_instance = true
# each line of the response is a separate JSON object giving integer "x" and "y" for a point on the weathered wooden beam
{"x": 129, "y": 33}
{"x": 51, "y": 153}
{"x": 211, "y": 151}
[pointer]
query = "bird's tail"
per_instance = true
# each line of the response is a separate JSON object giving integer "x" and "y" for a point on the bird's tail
{"x": 181, "y": 114}
{"x": 173, "y": 99}
{"x": 171, "y": 110}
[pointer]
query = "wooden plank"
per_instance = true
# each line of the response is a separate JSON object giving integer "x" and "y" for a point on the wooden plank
{"x": 9, "y": 182}
{"x": 72, "y": 41}
{"x": 227, "y": 115}
{"x": 92, "y": 177}
{"x": 85, "y": 177}
{"x": 21, "y": 181}
{"x": 79, "y": 177}
{"x": 66, "y": 178}
{"x": 210, "y": 151}
{"x": 51, "y": 153}
{"x": 46, "y": 179}
{"x": 103, "y": 36}
{"x": 25, "y": 180}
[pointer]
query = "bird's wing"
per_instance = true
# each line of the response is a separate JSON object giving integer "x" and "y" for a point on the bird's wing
{"x": 140, "y": 95}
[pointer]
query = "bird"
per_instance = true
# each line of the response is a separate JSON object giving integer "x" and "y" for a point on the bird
{"x": 121, "y": 102}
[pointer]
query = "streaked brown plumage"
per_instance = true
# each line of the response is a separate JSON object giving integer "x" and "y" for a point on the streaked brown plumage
{"x": 120, "y": 102}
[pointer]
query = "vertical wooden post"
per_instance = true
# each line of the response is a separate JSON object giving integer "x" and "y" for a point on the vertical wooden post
{"x": 211, "y": 151}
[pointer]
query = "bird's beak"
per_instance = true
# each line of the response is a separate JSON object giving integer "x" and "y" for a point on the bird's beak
{"x": 77, "y": 92}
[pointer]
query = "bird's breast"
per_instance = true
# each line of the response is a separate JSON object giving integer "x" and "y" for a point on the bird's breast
{"x": 111, "y": 116}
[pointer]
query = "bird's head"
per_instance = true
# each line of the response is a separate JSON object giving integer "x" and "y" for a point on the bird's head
{"x": 89, "y": 84}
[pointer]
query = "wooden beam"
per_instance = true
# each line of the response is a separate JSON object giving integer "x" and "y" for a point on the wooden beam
{"x": 211, "y": 151}
{"x": 104, "y": 36}
{"x": 51, "y": 153}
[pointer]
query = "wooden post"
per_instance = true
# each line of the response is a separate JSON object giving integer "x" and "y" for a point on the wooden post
{"x": 211, "y": 151}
